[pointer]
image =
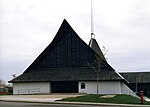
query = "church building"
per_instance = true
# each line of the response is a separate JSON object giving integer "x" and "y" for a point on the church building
{"x": 69, "y": 65}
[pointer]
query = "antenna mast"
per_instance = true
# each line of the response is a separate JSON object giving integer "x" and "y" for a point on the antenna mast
{"x": 92, "y": 22}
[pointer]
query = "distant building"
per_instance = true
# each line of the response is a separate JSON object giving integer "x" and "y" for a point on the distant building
{"x": 69, "y": 65}
{"x": 138, "y": 81}
{"x": 6, "y": 90}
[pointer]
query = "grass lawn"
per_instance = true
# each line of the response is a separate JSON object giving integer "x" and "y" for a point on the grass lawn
{"x": 119, "y": 99}
{"x": 148, "y": 96}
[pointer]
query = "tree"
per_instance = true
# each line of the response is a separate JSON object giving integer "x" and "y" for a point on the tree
{"x": 97, "y": 65}
{"x": 104, "y": 51}
{"x": 2, "y": 83}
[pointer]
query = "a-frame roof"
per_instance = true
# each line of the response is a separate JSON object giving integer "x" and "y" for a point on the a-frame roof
{"x": 66, "y": 59}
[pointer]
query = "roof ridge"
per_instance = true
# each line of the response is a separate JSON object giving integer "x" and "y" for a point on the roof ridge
{"x": 62, "y": 30}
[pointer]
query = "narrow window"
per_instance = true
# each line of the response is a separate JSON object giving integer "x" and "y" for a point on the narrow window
{"x": 82, "y": 85}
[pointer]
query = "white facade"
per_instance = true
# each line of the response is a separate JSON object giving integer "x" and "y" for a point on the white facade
{"x": 31, "y": 88}
{"x": 126, "y": 90}
{"x": 105, "y": 87}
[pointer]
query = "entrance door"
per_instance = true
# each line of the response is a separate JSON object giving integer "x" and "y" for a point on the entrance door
{"x": 64, "y": 87}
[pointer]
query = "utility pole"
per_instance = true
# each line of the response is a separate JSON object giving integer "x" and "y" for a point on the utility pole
{"x": 136, "y": 88}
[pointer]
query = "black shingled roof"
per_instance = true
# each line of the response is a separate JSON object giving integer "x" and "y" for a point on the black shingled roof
{"x": 70, "y": 74}
{"x": 142, "y": 77}
{"x": 66, "y": 59}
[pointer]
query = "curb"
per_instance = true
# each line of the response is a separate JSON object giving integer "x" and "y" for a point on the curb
{"x": 81, "y": 103}
{"x": 102, "y": 104}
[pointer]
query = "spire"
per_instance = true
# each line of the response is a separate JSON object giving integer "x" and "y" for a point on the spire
{"x": 94, "y": 45}
{"x": 92, "y": 22}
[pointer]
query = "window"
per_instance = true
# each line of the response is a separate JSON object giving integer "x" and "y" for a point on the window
{"x": 82, "y": 85}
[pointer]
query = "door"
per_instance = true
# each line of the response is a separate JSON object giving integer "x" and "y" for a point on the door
{"x": 65, "y": 87}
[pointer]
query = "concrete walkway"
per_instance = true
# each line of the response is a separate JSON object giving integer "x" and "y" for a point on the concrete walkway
{"x": 37, "y": 98}
{"x": 53, "y": 97}
{"x": 147, "y": 99}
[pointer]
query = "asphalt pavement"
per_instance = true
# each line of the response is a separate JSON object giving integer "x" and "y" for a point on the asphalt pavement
{"x": 23, "y": 104}
{"x": 52, "y": 101}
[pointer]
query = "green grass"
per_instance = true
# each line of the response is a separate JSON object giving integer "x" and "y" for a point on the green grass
{"x": 119, "y": 99}
{"x": 148, "y": 96}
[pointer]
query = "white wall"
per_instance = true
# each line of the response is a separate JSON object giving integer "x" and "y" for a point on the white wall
{"x": 90, "y": 87}
{"x": 105, "y": 87}
{"x": 126, "y": 90}
{"x": 110, "y": 87}
{"x": 31, "y": 88}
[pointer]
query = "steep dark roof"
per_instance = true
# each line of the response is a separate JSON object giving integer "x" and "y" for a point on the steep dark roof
{"x": 67, "y": 50}
{"x": 94, "y": 45}
{"x": 66, "y": 59}
{"x": 70, "y": 74}
{"x": 143, "y": 77}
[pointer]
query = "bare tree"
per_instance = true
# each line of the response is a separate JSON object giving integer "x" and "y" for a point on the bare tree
{"x": 97, "y": 65}
{"x": 2, "y": 83}
{"x": 104, "y": 51}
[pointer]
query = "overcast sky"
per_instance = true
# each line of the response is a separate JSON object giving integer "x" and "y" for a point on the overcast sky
{"x": 28, "y": 26}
